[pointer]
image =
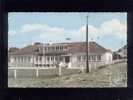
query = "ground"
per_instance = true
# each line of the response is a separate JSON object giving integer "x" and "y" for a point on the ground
{"x": 108, "y": 76}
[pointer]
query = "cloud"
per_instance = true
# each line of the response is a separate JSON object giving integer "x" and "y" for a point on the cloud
{"x": 108, "y": 28}
{"x": 43, "y": 28}
{"x": 40, "y": 28}
{"x": 12, "y": 33}
{"x": 112, "y": 27}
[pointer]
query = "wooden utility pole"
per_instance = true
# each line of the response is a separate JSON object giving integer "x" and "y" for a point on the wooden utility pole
{"x": 87, "y": 62}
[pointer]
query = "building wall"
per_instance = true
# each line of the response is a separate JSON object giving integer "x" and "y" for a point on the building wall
{"x": 76, "y": 60}
{"x": 29, "y": 60}
{"x": 107, "y": 57}
{"x": 79, "y": 60}
{"x": 95, "y": 60}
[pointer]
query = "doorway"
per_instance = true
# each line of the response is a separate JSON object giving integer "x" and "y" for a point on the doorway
{"x": 67, "y": 59}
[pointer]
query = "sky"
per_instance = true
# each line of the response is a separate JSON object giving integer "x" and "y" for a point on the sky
{"x": 108, "y": 29}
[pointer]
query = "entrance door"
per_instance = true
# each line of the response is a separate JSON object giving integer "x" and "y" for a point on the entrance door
{"x": 67, "y": 59}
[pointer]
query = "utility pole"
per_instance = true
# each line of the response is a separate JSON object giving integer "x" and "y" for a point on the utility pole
{"x": 87, "y": 62}
{"x": 43, "y": 55}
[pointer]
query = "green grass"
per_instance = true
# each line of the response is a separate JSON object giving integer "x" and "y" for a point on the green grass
{"x": 109, "y": 76}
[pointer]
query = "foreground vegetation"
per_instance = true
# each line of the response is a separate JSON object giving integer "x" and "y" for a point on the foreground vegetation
{"x": 107, "y": 76}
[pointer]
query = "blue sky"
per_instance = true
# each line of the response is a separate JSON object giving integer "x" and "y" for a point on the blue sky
{"x": 108, "y": 29}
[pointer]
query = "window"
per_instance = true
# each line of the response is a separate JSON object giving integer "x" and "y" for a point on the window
{"x": 48, "y": 48}
{"x": 45, "y": 48}
{"x": 53, "y": 48}
{"x": 57, "y": 48}
{"x": 79, "y": 58}
{"x": 25, "y": 59}
{"x": 84, "y": 58}
{"x": 99, "y": 57}
{"x": 36, "y": 58}
{"x": 89, "y": 58}
{"x": 65, "y": 47}
{"x": 48, "y": 58}
{"x": 36, "y": 50}
{"x": 21, "y": 59}
{"x": 56, "y": 58}
{"x": 17, "y": 59}
{"x": 29, "y": 58}
{"x": 60, "y": 47}
{"x": 93, "y": 57}
{"x": 51, "y": 58}
{"x": 14, "y": 58}
{"x": 60, "y": 58}
{"x": 40, "y": 58}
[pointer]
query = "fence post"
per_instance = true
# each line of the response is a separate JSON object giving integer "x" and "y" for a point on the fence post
{"x": 82, "y": 68}
{"x": 110, "y": 77}
{"x": 37, "y": 73}
{"x": 15, "y": 73}
{"x": 59, "y": 70}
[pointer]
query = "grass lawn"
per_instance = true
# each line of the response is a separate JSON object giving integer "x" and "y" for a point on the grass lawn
{"x": 109, "y": 76}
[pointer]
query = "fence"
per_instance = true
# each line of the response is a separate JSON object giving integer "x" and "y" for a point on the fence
{"x": 39, "y": 71}
{"x": 30, "y": 69}
{"x": 36, "y": 71}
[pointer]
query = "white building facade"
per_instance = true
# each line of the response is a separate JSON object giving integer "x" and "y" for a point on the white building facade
{"x": 72, "y": 55}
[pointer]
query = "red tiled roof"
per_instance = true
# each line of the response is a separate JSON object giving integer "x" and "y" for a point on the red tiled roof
{"x": 13, "y": 49}
{"x": 74, "y": 47}
{"x": 93, "y": 47}
{"x": 30, "y": 49}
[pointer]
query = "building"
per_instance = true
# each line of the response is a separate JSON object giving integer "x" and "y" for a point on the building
{"x": 73, "y": 55}
{"x": 121, "y": 53}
